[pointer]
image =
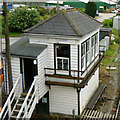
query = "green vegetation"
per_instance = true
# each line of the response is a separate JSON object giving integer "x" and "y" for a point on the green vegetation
{"x": 91, "y": 9}
{"x": 13, "y": 34}
{"x": 22, "y": 18}
{"x": 108, "y": 55}
{"x": 116, "y": 33}
{"x": 108, "y": 23}
{"x": 111, "y": 54}
{"x": 25, "y": 17}
{"x": 82, "y": 10}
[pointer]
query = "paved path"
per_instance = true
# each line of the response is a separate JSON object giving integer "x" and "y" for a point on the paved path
{"x": 103, "y": 16}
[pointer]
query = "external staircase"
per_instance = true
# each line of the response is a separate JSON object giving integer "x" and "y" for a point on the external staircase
{"x": 20, "y": 105}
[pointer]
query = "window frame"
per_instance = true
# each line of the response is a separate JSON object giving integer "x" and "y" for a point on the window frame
{"x": 55, "y": 59}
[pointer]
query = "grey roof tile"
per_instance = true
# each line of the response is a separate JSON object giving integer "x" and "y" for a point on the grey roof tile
{"x": 67, "y": 23}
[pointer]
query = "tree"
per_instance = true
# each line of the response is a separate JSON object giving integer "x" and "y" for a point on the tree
{"x": 91, "y": 9}
{"x": 23, "y": 18}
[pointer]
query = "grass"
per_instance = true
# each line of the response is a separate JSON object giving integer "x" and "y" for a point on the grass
{"x": 13, "y": 34}
{"x": 108, "y": 55}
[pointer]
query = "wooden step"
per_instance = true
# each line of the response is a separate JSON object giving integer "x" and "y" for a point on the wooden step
{"x": 17, "y": 110}
{"x": 22, "y": 99}
{"x": 14, "y": 117}
{"x": 25, "y": 94}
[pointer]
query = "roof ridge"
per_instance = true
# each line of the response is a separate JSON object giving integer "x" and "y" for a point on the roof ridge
{"x": 40, "y": 23}
{"x": 88, "y": 16}
{"x": 72, "y": 25}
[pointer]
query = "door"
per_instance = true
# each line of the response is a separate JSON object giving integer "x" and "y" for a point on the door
{"x": 28, "y": 73}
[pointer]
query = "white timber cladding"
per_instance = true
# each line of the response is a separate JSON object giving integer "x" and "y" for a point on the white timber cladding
{"x": 42, "y": 63}
{"x": 15, "y": 65}
{"x": 63, "y": 100}
{"x": 88, "y": 91}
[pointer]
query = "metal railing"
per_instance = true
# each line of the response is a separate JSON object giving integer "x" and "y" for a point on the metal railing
{"x": 30, "y": 101}
{"x": 14, "y": 95}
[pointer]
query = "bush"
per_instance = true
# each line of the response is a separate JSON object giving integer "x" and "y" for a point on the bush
{"x": 22, "y": 18}
{"x": 108, "y": 23}
{"x": 91, "y": 9}
{"x": 81, "y": 9}
{"x": 53, "y": 11}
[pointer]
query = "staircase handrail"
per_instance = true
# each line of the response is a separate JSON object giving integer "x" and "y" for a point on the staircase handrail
{"x": 24, "y": 105}
{"x": 7, "y": 103}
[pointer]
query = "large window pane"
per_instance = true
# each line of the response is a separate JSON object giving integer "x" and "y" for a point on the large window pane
{"x": 63, "y": 51}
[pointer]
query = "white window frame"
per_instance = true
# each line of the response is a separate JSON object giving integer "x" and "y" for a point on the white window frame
{"x": 88, "y": 52}
{"x": 83, "y": 58}
{"x": 62, "y": 58}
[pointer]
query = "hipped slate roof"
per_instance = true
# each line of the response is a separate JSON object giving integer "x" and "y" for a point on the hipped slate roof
{"x": 24, "y": 49}
{"x": 71, "y": 23}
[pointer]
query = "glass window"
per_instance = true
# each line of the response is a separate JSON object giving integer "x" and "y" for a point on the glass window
{"x": 83, "y": 49}
{"x": 87, "y": 45}
{"x": 65, "y": 64}
{"x": 63, "y": 51}
{"x": 59, "y": 63}
{"x": 62, "y": 57}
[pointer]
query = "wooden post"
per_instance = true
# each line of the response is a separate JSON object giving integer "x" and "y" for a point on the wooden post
{"x": 7, "y": 47}
{"x": 57, "y": 5}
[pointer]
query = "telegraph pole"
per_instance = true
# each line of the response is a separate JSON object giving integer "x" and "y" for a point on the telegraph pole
{"x": 7, "y": 42}
{"x": 57, "y": 5}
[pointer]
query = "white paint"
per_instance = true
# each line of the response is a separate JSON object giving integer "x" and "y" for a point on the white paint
{"x": 88, "y": 91}
{"x": 116, "y": 22}
{"x": 63, "y": 100}
{"x": 42, "y": 63}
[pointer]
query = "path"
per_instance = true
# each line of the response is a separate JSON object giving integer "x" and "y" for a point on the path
{"x": 103, "y": 16}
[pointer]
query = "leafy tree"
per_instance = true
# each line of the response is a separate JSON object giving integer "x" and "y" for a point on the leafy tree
{"x": 91, "y": 9}
{"x": 23, "y": 18}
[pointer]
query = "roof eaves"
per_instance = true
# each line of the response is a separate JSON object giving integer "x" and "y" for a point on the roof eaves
{"x": 70, "y": 22}
{"x": 33, "y": 27}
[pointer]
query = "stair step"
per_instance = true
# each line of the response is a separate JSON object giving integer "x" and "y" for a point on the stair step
{"x": 25, "y": 94}
{"x": 22, "y": 99}
{"x": 17, "y": 110}
{"x": 14, "y": 117}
